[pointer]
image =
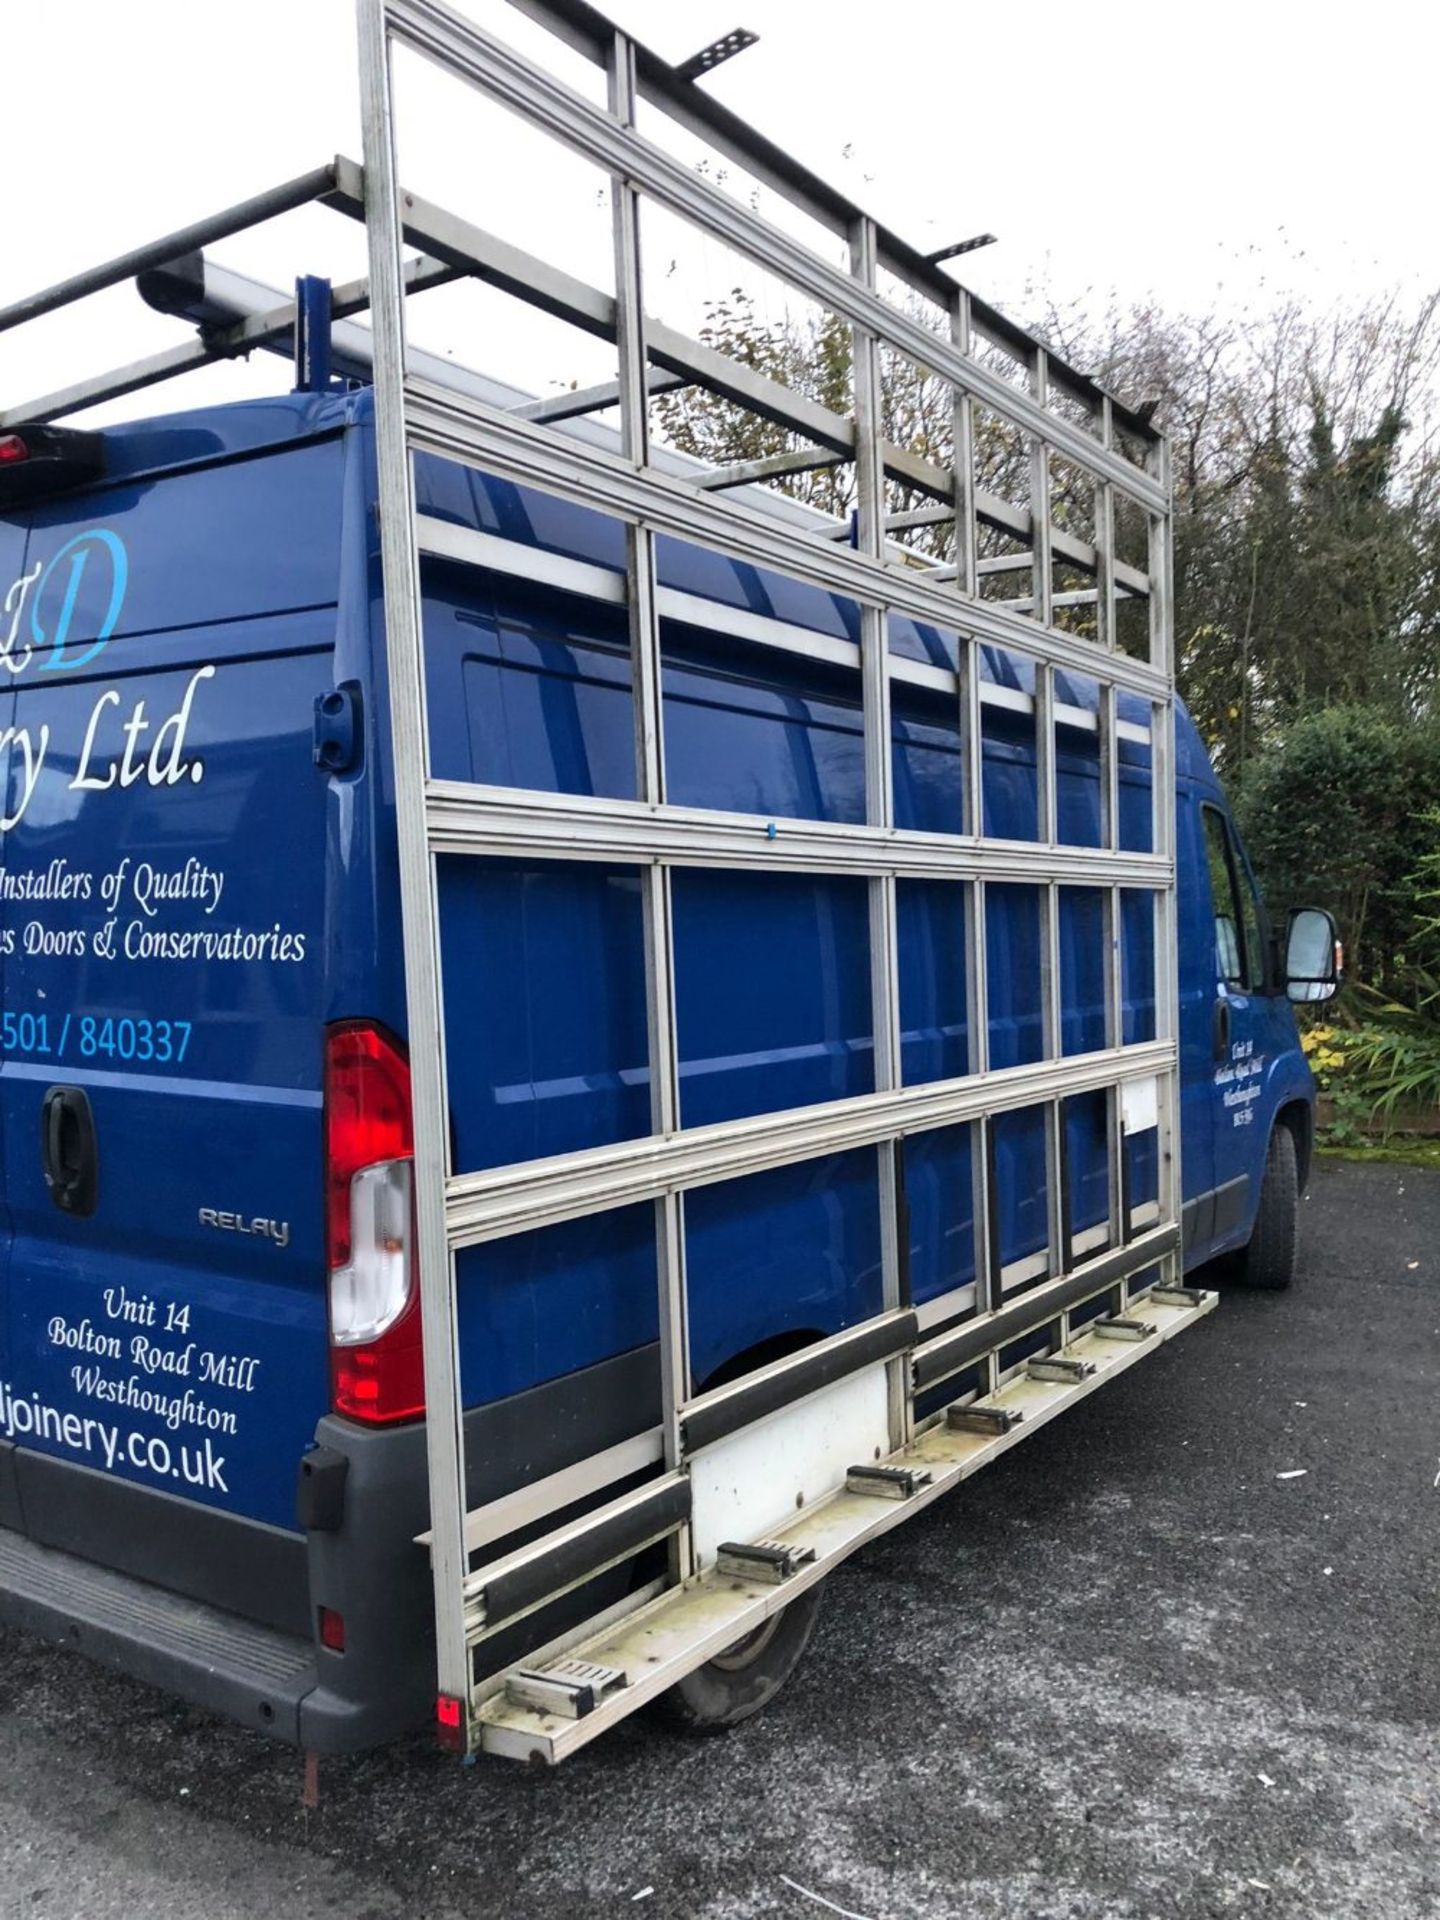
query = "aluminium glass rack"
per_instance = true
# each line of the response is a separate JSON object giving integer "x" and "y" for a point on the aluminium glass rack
{"x": 1115, "y": 632}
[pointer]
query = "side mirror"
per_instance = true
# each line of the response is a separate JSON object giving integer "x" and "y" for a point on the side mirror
{"x": 1314, "y": 958}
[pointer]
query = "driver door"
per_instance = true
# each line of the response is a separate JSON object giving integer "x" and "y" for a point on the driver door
{"x": 1238, "y": 1034}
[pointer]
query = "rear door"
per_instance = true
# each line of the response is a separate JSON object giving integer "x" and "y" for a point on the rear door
{"x": 160, "y": 1100}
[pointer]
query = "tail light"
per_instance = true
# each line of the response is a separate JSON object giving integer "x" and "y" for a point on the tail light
{"x": 37, "y": 460}
{"x": 375, "y": 1357}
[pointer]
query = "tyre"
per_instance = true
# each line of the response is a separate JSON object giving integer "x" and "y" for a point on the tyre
{"x": 747, "y": 1675}
{"x": 1268, "y": 1261}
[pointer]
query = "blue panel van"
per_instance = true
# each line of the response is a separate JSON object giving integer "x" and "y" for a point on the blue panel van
{"x": 211, "y": 1453}
{"x": 577, "y": 1039}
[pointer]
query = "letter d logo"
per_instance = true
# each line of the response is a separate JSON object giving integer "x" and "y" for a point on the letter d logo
{"x": 67, "y": 587}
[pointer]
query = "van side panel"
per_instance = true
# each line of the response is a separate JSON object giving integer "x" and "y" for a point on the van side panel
{"x": 163, "y": 953}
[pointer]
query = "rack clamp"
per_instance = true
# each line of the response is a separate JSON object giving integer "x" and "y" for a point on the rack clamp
{"x": 1058, "y": 1366}
{"x": 770, "y": 1561}
{"x": 1177, "y": 1296}
{"x": 991, "y": 1421}
{"x": 570, "y": 1689}
{"x": 887, "y": 1483}
{"x": 1119, "y": 1327}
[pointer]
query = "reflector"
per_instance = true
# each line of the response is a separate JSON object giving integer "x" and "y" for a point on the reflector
{"x": 450, "y": 1722}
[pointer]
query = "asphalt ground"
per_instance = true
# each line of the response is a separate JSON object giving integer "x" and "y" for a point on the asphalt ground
{"x": 1130, "y": 1670}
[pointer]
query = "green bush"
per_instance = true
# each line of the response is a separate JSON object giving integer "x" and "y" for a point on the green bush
{"x": 1342, "y": 810}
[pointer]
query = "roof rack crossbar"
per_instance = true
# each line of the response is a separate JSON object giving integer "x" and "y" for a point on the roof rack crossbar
{"x": 575, "y": 403}
{"x": 298, "y": 192}
{"x": 209, "y": 345}
{"x": 769, "y": 466}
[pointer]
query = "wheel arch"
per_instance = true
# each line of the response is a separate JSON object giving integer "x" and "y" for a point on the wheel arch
{"x": 760, "y": 1353}
{"x": 1299, "y": 1117}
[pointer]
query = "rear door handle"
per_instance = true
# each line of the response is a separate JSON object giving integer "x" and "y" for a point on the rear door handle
{"x": 1221, "y": 1031}
{"x": 69, "y": 1153}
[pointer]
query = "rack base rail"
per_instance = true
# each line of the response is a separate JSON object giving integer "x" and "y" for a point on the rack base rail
{"x": 568, "y": 1694}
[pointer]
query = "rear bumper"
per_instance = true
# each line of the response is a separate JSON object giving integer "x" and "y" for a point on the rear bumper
{"x": 252, "y": 1673}
{"x": 255, "y": 1675}
{"x": 211, "y": 1606}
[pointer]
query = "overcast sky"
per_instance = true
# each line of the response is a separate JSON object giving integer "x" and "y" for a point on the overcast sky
{"x": 1200, "y": 154}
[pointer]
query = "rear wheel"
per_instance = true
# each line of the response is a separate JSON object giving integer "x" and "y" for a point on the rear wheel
{"x": 1269, "y": 1259}
{"x": 752, "y": 1670}
{"x": 747, "y": 1675}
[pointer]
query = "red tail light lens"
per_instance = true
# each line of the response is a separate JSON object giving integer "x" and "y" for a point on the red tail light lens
{"x": 332, "y": 1630}
{"x": 450, "y": 1723}
{"x": 376, "y": 1366}
{"x": 38, "y": 460}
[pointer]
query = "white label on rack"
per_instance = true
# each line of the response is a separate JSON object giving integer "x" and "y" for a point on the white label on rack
{"x": 1140, "y": 1104}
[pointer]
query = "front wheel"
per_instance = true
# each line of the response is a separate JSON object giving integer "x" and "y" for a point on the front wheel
{"x": 747, "y": 1675}
{"x": 1268, "y": 1261}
